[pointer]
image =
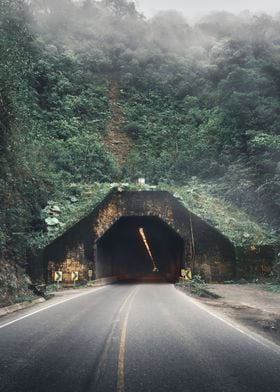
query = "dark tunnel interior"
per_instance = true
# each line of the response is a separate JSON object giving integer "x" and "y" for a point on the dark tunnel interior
{"x": 122, "y": 251}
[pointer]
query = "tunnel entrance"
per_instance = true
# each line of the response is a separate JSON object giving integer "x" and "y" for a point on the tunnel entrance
{"x": 125, "y": 252}
{"x": 108, "y": 243}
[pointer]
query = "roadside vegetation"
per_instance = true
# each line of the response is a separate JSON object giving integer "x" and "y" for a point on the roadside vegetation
{"x": 198, "y": 100}
{"x": 197, "y": 287}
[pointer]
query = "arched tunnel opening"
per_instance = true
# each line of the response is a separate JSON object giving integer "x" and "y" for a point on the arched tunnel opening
{"x": 175, "y": 239}
{"x": 139, "y": 247}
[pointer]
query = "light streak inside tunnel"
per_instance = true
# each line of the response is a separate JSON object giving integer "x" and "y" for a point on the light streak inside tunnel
{"x": 144, "y": 238}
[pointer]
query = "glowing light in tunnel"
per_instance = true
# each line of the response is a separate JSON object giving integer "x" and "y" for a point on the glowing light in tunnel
{"x": 144, "y": 238}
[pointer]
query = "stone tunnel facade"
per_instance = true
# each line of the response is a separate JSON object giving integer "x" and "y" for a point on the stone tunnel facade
{"x": 107, "y": 241}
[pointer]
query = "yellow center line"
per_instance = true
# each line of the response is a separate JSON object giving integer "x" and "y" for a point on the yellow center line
{"x": 121, "y": 359}
{"x": 108, "y": 344}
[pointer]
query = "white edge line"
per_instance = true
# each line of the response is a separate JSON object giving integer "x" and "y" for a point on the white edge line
{"x": 258, "y": 339}
{"x": 51, "y": 306}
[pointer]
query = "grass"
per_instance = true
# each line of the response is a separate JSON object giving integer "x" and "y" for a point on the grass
{"x": 274, "y": 288}
{"x": 230, "y": 220}
{"x": 25, "y": 298}
{"x": 197, "y": 287}
{"x": 196, "y": 196}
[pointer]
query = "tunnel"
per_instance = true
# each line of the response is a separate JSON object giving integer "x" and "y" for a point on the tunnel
{"x": 107, "y": 243}
{"x": 139, "y": 247}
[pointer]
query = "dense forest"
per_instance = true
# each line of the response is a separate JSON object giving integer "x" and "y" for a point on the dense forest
{"x": 191, "y": 100}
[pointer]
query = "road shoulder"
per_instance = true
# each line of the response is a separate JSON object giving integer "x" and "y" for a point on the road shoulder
{"x": 20, "y": 306}
{"x": 248, "y": 304}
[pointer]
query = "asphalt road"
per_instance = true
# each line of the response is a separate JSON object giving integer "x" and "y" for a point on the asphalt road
{"x": 147, "y": 337}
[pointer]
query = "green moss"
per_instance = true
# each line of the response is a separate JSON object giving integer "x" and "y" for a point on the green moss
{"x": 231, "y": 221}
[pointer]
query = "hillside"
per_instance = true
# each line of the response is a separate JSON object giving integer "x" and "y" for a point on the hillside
{"x": 237, "y": 225}
{"x": 93, "y": 93}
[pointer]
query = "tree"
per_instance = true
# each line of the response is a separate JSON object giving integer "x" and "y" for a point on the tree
{"x": 121, "y": 8}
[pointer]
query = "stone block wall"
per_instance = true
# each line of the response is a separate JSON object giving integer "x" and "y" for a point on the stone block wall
{"x": 72, "y": 252}
{"x": 76, "y": 250}
{"x": 255, "y": 262}
{"x": 122, "y": 204}
{"x": 74, "y": 261}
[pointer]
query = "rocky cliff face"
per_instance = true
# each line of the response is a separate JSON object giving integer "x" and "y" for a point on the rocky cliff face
{"x": 14, "y": 284}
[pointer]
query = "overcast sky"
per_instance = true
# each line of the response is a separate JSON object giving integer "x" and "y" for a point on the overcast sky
{"x": 198, "y": 7}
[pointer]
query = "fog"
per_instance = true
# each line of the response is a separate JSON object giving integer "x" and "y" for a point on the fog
{"x": 213, "y": 86}
{"x": 118, "y": 25}
{"x": 198, "y": 7}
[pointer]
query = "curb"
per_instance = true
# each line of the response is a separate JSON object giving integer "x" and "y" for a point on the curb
{"x": 22, "y": 305}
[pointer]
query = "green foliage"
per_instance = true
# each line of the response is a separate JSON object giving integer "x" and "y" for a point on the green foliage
{"x": 233, "y": 222}
{"x": 276, "y": 270}
{"x": 274, "y": 288}
{"x": 75, "y": 202}
{"x": 197, "y": 287}
{"x": 14, "y": 284}
{"x": 121, "y": 8}
{"x": 198, "y": 100}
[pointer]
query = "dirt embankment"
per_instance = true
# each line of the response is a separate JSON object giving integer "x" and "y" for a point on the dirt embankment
{"x": 249, "y": 304}
{"x": 116, "y": 140}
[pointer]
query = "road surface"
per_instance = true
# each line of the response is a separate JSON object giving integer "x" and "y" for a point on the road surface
{"x": 132, "y": 338}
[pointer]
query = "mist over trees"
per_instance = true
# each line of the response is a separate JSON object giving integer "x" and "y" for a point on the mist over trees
{"x": 199, "y": 99}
